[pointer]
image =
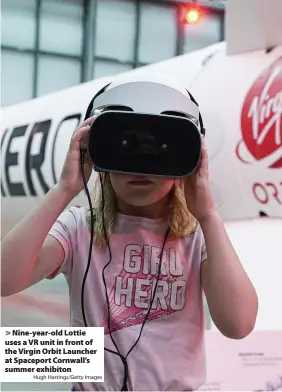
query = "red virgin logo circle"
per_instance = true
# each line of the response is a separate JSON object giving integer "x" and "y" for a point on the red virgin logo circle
{"x": 261, "y": 120}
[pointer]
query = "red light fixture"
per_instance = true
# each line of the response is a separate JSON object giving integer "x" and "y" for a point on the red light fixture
{"x": 192, "y": 16}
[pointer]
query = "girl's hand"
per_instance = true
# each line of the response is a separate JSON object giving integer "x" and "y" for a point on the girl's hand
{"x": 71, "y": 178}
{"x": 197, "y": 189}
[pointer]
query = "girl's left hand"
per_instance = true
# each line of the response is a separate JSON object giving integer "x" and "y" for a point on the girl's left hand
{"x": 197, "y": 189}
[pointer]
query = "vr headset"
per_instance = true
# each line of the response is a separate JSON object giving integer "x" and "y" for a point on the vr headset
{"x": 145, "y": 128}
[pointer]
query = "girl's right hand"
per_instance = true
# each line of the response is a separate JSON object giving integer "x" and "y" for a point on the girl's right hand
{"x": 71, "y": 178}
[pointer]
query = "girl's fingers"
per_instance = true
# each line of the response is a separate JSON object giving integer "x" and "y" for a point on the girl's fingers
{"x": 79, "y": 138}
{"x": 80, "y": 135}
{"x": 88, "y": 121}
{"x": 203, "y": 165}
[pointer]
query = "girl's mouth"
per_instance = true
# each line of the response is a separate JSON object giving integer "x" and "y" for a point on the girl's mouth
{"x": 140, "y": 181}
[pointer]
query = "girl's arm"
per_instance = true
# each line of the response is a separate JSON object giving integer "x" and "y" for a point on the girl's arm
{"x": 231, "y": 297}
{"x": 28, "y": 253}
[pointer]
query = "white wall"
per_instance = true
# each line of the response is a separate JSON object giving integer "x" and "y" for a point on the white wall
{"x": 258, "y": 243}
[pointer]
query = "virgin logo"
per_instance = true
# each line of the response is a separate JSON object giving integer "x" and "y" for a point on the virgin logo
{"x": 261, "y": 120}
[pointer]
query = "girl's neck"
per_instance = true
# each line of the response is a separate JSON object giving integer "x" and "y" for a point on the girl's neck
{"x": 153, "y": 211}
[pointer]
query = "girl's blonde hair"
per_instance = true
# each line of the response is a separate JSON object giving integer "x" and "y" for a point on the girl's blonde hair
{"x": 181, "y": 221}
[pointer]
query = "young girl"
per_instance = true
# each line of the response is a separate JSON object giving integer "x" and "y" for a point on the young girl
{"x": 138, "y": 211}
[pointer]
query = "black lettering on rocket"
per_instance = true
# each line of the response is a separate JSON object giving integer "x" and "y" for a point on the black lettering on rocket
{"x": 11, "y": 159}
{"x": 3, "y": 193}
{"x": 34, "y": 162}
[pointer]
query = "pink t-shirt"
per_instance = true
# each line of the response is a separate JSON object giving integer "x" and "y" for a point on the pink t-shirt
{"x": 170, "y": 355}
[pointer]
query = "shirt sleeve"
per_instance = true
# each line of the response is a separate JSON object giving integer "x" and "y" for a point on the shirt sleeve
{"x": 64, "y": 231}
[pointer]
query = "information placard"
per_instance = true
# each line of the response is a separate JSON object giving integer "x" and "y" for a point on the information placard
{"x": 52, "y": 354}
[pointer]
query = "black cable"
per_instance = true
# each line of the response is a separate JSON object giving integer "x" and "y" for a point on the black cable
{"x": 104, "y": 281}
{"x": 82, "y": 158}
{"x": 123, "y": 359}
{"x": 124, "y": 387}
